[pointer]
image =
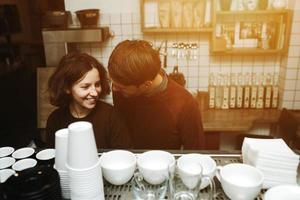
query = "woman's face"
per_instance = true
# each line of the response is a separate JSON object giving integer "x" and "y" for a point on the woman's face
{"x": 85, "y": 92}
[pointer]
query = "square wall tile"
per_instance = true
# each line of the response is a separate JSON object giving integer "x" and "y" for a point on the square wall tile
{"x": 288, "y": 96}
{"x": 127, "y": 29}
{"x": 116, "y": 29}
{"x": 204, "y": 61}
{"x": 291, "y": 74}
{"x": 294, "y": 51}
{"x": 203, "y": 71}
{"x": 192, "y": 82}
{"x": 126, "y": 18}
{"x": 193, "y": 71}
{"x": 290, "y": 85}
{"x": 287, "y": 104}
{"x": 295, "y": 39}
{"x": 295, "y": 27}
{"x": 296, "y": 105}
{"x": 203, "y": 82}
{"x": 297, "y": 96}
{"x": 292, "y": 62}
{"x": 115, "y": 18}
{"x": 136, "y": 18}
{"x": 104, "y": 19}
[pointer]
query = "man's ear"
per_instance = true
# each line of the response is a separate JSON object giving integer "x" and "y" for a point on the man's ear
{"x": 148, "y": 84}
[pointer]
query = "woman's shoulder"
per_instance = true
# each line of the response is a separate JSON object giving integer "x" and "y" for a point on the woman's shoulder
{"x": 60, "y": 111}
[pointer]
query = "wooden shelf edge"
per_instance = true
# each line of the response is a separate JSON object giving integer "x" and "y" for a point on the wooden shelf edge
{"x": 245, "y": 12}
{"x": 176, "y": 30}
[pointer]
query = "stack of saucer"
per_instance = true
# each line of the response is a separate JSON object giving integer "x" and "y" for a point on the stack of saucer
{"x": 274, "y": 158}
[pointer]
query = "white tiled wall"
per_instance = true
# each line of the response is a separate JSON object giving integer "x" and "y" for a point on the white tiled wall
{"x": 126, "y": 25}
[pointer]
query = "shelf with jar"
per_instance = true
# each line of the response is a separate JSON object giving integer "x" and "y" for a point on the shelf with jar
{"x": 244, "y": 29}
{"x": 176, "y": 16}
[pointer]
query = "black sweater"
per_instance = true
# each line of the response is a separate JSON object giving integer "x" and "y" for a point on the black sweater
{"x": 166, "y": 120}
{"x": 109, "y": 127}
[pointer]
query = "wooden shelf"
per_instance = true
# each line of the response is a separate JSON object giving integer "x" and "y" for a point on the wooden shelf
{"x": 256, "y": 12}
{"x": 250, "y": 51}
{"x": 177, "y": 30}
{"x": 175, "y": 10}
{"x": 253, "y": 32}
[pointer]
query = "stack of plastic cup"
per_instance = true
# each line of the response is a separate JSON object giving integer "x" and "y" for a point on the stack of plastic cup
{"x": 61, "y": 152}
{"x": 83, "y": 163}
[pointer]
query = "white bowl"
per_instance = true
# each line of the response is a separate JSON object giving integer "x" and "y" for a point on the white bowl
{"x": 6, "y": 162}
{"x": 241, "y": 181}
{"x": 208, "y": 164}
{"x": 154, "y": 165}
{"x": 282, "y": 192}
{"x": 118, "y": 166}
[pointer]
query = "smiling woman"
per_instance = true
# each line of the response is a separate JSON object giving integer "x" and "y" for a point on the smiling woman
{"x": 76, "y": 87}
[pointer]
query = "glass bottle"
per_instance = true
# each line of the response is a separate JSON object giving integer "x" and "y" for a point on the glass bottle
{"x": 253, "y": 91}
{"x": 218, "y": 98}
{"x": 247, "y": 91}
{"x": 268, "y": 92}
{"x": 233, "y": 87}
{"x": 225, "y": 94}
{"x": 212, "y": 90}
{"x": 260, "y": 91}
{"x": 239, "y": 91}
{"x": 275, "y": 91}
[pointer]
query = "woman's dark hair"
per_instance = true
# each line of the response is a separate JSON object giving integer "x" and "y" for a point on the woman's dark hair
{"x": 133, "y": 62}
{"x": 73, "y": 67}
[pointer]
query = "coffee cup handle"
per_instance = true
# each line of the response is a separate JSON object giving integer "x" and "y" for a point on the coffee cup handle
{"x": 212, "y": 186}
{"x": 218, "y": 172}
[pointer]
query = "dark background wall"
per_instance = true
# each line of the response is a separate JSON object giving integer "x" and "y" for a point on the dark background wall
{"x": 19, "y": 59}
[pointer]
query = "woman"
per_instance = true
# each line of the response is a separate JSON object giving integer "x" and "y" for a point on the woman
{"x": 76, "y": 87}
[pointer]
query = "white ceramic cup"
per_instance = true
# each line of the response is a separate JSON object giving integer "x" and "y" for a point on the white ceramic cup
{"x": 281, "y": 192}
{"x": 61, "y": 148}
{"x": 24, "y": 164}
{"x": 208, "y": 164}
{"x": 5, "y": 174}
{"x": 23, "y": 153}
{"x": 240, "y": 181}
{"x": 6, "y": 151}
{"x": 154, "y": 165}
{"x": 118, "y": 166}
{"x": 82, "y": 149}
{"x": 6, "y": 162}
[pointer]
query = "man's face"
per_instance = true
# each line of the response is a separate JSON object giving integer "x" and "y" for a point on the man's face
{"x": 128, "y": 90}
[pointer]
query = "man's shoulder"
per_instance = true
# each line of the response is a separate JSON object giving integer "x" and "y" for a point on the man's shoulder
{"x": 177, "y": 90}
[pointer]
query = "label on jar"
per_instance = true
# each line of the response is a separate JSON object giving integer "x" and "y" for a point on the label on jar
{"x": 239, "y": 97}
{"x": 232, "y": 101}
{"x": 268, "y": 97}
{"x": 253, "y": 97}
{"x": 247, "y": 97}
{"x": 260, "y": 97}
{"x": 275, "y": 97}
{"x": 212, "y": 91}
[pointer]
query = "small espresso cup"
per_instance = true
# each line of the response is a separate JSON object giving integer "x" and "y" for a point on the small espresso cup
{"x": 185, "y": 181}
{"x": 26, "y": 152}
{"x": 46, "y": 157}
{"x": 24, "y": 164}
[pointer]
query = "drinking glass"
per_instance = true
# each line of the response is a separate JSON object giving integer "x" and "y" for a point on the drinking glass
{"x": 185, "y": 182}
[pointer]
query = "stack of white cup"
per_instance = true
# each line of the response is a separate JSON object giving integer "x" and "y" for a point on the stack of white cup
{"x": 83, "y": 163}
{"x": 61, "y": 152}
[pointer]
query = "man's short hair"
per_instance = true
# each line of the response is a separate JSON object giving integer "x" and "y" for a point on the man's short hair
{"x": 133, "y": 62}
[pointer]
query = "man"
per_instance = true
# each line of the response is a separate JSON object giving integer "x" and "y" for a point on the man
{"x": 160, "y": 114}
